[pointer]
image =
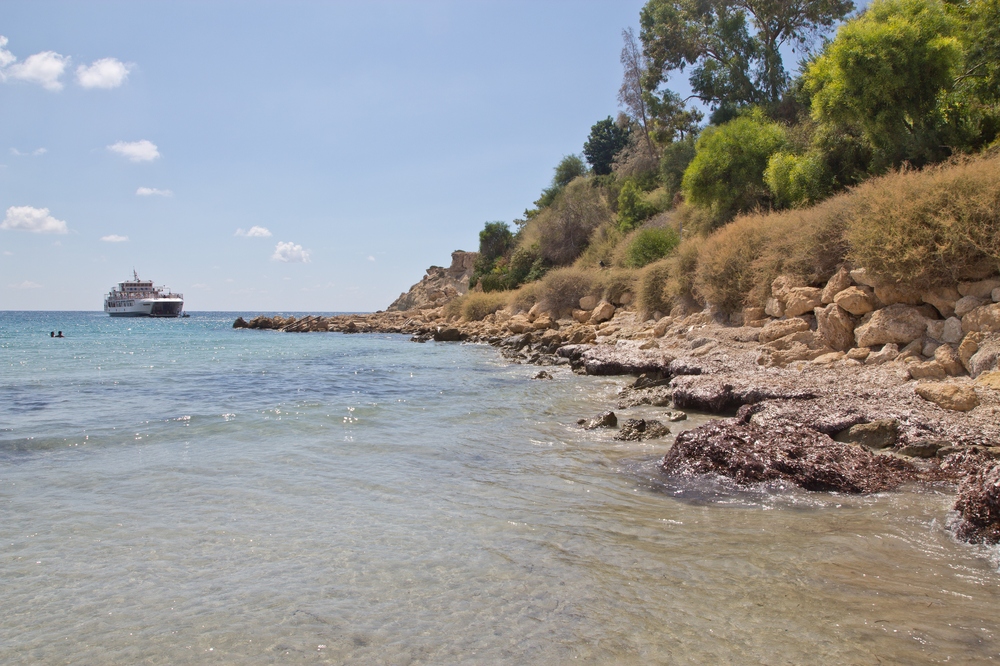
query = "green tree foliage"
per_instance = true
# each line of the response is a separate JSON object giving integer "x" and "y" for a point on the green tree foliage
{"x": 796, "y": 180}
{"x": 887, "y": 73}
{"x": 674, "y": 161}
{"x": 732, "y": 46}
{"x": 565, "y": 228}
{"x": 606, "y": 139}
{"x": 569, "y": 167}
{"x": 495, "y": 241}
{"x": 727, "y": 172}
{"x": 632, "y": 208}
{"x": 649, "y": 245}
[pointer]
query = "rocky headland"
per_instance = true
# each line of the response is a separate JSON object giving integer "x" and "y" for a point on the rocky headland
{"x": 852, "y": 385}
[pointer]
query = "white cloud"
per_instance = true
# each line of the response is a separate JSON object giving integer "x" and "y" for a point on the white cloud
{"x": 31, "y": 153}
{"x": 103, "y": 73}
{"x": 136, "y": 151}
{"x": 371, "y": 258}
{"x": 290, "y": 252}
{"x": 35, "y": 220}
{"x": 152, "y": 191}
{"x": 254, "y": 232}
{"x": 45, "y": 69}
{"x": 8, "y": 253}
{"x": 27, "y": 284}
{"x": 6, "y": 57}
{"x": 114, "y": 238}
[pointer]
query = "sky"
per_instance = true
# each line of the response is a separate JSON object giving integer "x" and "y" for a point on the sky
{"x": 282, "y": 156}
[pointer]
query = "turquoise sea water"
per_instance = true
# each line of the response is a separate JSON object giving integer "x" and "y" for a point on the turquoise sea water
{"x": 176, "y": 491}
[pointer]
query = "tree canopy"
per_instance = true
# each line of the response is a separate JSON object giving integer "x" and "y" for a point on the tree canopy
{"x": 606, "y": 139}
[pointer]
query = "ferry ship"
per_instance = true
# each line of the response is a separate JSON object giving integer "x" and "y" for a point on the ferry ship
{"x": 139, "y": 298}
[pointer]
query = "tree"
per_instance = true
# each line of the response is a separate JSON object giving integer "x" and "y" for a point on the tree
{"x": 727, "y": 172}
{"x": 631, "y": 95}
{"x": 569, "y": 168}
{"x": 733, "y": 46}
{"x": 495, "y": 241}
{"x": 886, "y": 73}
{"x": 606, "y": 139}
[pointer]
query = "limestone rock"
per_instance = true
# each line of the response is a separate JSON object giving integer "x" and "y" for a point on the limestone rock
{"x": 774, "y": 308}
{"x": 956, "y": 397}
{"x": 783, "y": 283}
{"x": 923, "y": 448}
{"x": 980, "y": 289}
{"x": 880, "y": 434}
{"x": 800, "y": 300}
{"x": 968, "y": 347}
{"x": 588, "y": 302}
{"x": 990, "y": 380}
{"x": 861, "y": 276}
{"x": 900, "y": 324}
{"x": 649, "y": 344}
{"x": 240, "y": 323}
{"x": 781, "y": 328}
{"x": 582, "y": 316}
{"x": 828, "y": 358}
{"x": 995, "y": 295}
{"x": 930, "y": 346}
{"x": 750, "y": 454}
{"x": 439, "y": 285}
{"x": 986, "y": 357}
{"x": 855, "y": 300}
{"x": 892, "y": 293}
{"x": 836, "y": 327}
{"x": 840, "y": 281}
{"x": 543, "y": 322}
{"x": 859, "y": 353}
{"x": 984, "y": 319}
{"x": 947, "y": 357}
{"x": 636, "y": 430}
{"x": 942, "y": 298}
{"x": 753, "y": 314}
{"x": 603, "y": 311}
{"x": 674, "y": 415}
{"x": 967, "y": 304}
{"x": 927, "y": 370}
{"x": 661, "y": 327}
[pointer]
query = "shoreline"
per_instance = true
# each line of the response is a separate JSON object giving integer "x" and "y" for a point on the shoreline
{"x": 831, "y": 422}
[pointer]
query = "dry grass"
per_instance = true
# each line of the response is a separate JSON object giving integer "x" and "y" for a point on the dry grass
{"x": 477, "y": 305}
{"x": 524, "y": 297}
{"x": 933, "y": 227}
{"x": 602, "y": 248}
{"x": 652, "y": 283}
{"x": 561, "y": 289}
{"x": 610, "y": 284}
{"x": 563, "y": 230}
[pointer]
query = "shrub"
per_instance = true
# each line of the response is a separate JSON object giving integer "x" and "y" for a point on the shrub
{"x": 611, "y": 284}
{"x": 525, "y": 297}
{"x": 632, "y": 208}
{"x": 562, "y": 288}
{"x": 795, "y": 180}
{"x": 602, "y": 246}
{"x": 564, "y": 228}
{"x": 650, "y": 244}
{"x": 675, "y": 159}
{"x": 495, "y": 240}
{"x": 934, "y": 227}
{"x": 475, "y": 306}
{"x": 727, "y": 172}
{"x": 652, "y": 283}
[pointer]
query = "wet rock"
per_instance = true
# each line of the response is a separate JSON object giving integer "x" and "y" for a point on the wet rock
{"x": 956, "y": 397}
{"x": 880, "y": 434}
{"x": 605, "y": 420}
{"x": 751, "y": 454}
{"x": 855, "y": 300}
{"x": 713, "y": 395}
{"x": 900, "y": 324}
{"x": 978, "y": 506}
{"x": 637, "y": 430}
{"x": 240, "y": 323}
{"x": 542, "y": 375}
{"x": 840, "y": 281}
{"x": 659, "y": 396}
{"x": 675, "y": 415}
{"x": 924, "y": 448}
{"x": 836, "y": 327}
{"x": 782, "y": 327}
{"x": 448, "y": 334}
{"x": 422, "y": 337}
{"x": 649, "y": 380}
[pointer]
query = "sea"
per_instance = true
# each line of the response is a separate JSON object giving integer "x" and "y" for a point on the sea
{"x": 174, "y": 491}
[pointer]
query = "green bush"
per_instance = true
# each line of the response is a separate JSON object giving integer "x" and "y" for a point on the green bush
{"x": 632, "y": 208}
{"x": 795, "y": 180}
{"x": 650, "y": 244}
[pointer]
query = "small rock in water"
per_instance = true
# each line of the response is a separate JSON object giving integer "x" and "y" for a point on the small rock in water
{"x": 605, "y": 420}
{"x": 923, "y": 448}
{"x": 636, "y": 430}
{"x": 675, "y": 415}
{"x": 880, "y": 434}
{"x": 542, "y": 375}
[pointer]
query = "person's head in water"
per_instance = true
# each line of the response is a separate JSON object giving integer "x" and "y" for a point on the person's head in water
{"x": 52, "y": 334}
{"x": 59, "y": 334}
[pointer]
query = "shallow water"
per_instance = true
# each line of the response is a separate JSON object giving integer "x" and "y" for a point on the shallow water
{"x": 174, "y": 491}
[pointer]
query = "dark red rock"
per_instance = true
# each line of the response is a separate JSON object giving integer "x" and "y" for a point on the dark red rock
{"x": 636, "y": 430}
{"x": 708, "y": 394}
{"x": 749, "y": 454}
{"x": 978, "y": 506}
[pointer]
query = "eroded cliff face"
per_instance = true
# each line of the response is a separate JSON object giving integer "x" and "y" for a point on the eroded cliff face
{"x": 439, "y": 286}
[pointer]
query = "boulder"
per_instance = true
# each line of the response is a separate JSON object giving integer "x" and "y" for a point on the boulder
{"x": 862, "y": 276}
{"x": 955, "y": 397}
{"x": 582, "y": 316}
{"x": 828, "y": 358}
{"x": 710, "y": 394}
{"x": 947, "y": 357}
{"x": 800, "y": 300}
{"x": 989, "y": 380}
{"x": 930, "y": 346}
{"x": 859, "y": 353}
{"x": 674, "y": 415}
{"x": 984, "y": 319}
{"x": 657, "y": 396}
{"x": 588, "y": 302}
{"x": 923, "y": 448}
{"x": 603, "y": 311}
{"x": 943, "y": 299}
{"x": 836, "y": 327}
{"x": 240, "y": 323}
{"x": 978, "y": 506}
{"x": 967, "y": 304}
{"x": 774, "y": 308}
{"x": 543, "y": 322}
{"x": 448, "y": 334}
{"x": 518, "y": 324}
{"x": 840, "y": 281}
{"x": 605, "y": 420}
{"x": 986, "y": 357}
{"x": 927, "y": 370}
{"x": 752, "y": 454}
{"x": 855, "y": 300}
{"x": 888, "y": 353}
{"x": 636, "y": 430}
{"x": 968, "y": 348}
{"x": 880, "y": 434}
{"x": 661, "y": 327}
{"x": 782, "y": 327}
{"x": 892, "y": 293}
{"x": 783, "y": 283}
{"x": 980, "y": 289}
{"x": 900, "y": 324}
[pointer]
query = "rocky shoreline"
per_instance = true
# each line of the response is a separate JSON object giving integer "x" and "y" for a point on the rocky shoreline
{"x": 813, "y": 393}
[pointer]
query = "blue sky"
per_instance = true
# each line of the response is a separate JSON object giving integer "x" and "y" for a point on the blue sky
{"x": 368, "y": 139}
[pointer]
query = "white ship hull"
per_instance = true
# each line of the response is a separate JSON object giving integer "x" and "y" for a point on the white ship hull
{"x": 140, "y": 298}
